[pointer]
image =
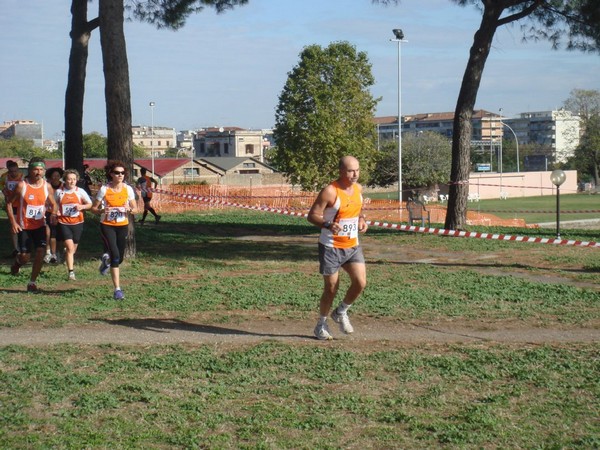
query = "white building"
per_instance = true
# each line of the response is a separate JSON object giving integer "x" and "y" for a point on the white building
{"x": 557, "y": 130}
{"x": 232, "y": 142}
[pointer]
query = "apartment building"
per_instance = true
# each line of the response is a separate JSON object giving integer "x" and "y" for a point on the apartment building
{"x": 558, "y": 130}
{"x": 158, "y": 138}
{"x": 486, "y": 125}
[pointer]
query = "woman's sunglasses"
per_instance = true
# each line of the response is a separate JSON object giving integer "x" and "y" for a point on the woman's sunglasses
{"x": 116, "y": 172}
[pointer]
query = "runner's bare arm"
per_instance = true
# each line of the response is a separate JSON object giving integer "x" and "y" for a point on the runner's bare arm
{"x": 325, "y": 198}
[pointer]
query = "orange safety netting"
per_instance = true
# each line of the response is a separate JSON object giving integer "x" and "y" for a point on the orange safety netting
{"x": 286, "y": 198}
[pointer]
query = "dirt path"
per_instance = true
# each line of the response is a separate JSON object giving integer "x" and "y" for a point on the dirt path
{"x": 368, "y": 331}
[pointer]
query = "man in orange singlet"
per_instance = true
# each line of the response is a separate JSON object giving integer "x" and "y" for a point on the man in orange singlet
{"x": 338, "y": 212}
{"x": 34, "y": 194}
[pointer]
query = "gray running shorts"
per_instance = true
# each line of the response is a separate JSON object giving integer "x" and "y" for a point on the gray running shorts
{"x": 332, "y": 259}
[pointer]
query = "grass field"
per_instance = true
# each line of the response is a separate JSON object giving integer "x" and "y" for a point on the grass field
{"x": 531, "y": 209}
{"x": 307, "y": 394}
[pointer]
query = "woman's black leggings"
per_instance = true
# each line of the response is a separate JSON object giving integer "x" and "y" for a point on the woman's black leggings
{"x": 115, "y": 239}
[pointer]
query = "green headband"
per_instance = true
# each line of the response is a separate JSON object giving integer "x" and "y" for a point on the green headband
{"x": 37, "y": 164}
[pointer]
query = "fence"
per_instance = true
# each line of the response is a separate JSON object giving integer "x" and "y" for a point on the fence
{"x": 286, "y": 198}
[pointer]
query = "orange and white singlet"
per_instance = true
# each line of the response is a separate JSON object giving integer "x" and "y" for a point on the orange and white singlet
{"x": 67, "y": 203}
{"x": 32, "y": 206}
{"x": 115, "y": 205}
{"x": 8, "y": 183}
{"x": 345, "y": 211}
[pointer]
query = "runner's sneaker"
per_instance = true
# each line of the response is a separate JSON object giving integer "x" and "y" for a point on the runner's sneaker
{"x": 47, "y": 258}
{"x": 343, "y": 321}
{"x": 31, "y": 287}
{"x": 104, "y": 264}
{"x": 157, "y": 219}
{"x": 53, "y": 259}
{"x": 72, "y": 276}
{"x": 15, "y": 268}
{"x": 322, "y": 332}
{"x": 119, "y": 294}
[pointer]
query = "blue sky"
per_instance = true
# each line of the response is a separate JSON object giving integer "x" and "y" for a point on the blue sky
{"x": 229, "y": 69}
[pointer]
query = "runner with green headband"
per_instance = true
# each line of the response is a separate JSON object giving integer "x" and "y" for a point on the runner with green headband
{"x": 34, "y": 193}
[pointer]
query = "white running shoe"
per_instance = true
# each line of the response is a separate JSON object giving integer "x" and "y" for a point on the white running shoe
{"x": 72, "y": 276}
{"x": 322, "y": 332}
{"x": 47, "y": 258}
{"x": 343, "y": 321}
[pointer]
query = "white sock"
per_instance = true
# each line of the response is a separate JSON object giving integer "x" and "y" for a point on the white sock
{"x": 322, "y": 319}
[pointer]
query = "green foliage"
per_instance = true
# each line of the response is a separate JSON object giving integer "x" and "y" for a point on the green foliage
{"x": 325, "y": 111}
{"x": 22, "y": 148}
{"x": 426, "y": 159}
{"x": 586, "y": 159}
{"x": 94, "y": 145}
{"x": 139, "y": 152}
{"x": 173, "y": 13}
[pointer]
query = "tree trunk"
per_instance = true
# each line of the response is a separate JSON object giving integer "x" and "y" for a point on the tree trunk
{"x": 81, "y": 31}
{"x": 456, "y": 216}
{"x": 116, "y": 81}
{"x": 116, "y": 92}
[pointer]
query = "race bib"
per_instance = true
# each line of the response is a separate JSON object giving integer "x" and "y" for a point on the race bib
{"x": 349, "y": 227}
{"x": 70, "y": 210}
{"x": 35, "y": 212}
{"x": 116, "y": 214}
{"x": 11, "y": 185}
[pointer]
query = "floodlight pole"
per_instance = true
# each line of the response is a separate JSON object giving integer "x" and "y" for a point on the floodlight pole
{"x": 399, "y": 38}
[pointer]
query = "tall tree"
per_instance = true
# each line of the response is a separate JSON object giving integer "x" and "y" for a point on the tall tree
{"x": 325, "y": 111}
{"x": 574, "y": 23}
{"x": 81, "y": 30}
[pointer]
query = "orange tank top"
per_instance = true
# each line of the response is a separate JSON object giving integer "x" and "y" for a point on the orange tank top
{"x": 345, "y": 211}
{"x": 32, "y": 206}
{"x": 114, "y": 206}
{"x": 67, "y": 204}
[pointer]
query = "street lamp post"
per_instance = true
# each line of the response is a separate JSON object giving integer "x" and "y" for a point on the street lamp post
{"x": 558, "y": 177}
{"x": 152, "y": 136}
{"x": 516, "y": 143}
{"x": 399, "y": 38}
{"x": 516, "y": 139}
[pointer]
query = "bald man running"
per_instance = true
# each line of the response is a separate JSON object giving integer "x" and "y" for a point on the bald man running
{"x": 338, "y": 212}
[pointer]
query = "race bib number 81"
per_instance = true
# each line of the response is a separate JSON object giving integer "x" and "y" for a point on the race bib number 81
{"x": 35, "y": 212}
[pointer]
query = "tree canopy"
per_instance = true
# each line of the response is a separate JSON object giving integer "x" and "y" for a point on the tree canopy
{"x": 325, "y": 111}
{"x": 426, "y": 161}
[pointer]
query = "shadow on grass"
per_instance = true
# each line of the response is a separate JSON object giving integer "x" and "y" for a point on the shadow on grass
{"x": 168, "y": 325}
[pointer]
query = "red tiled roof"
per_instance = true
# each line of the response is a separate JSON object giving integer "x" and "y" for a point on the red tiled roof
{"x": 162, "y": 166}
